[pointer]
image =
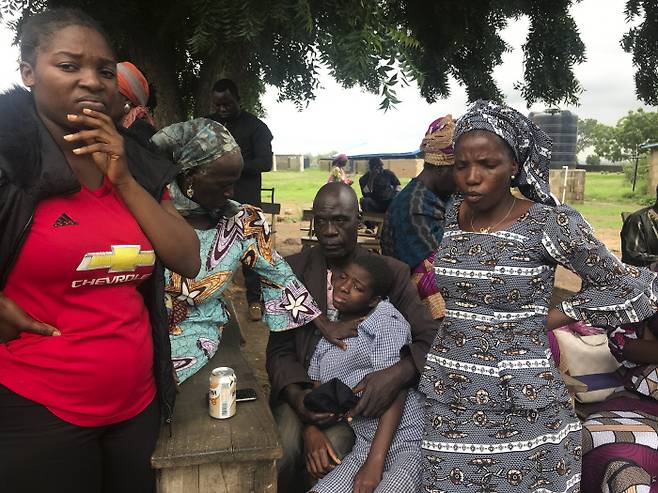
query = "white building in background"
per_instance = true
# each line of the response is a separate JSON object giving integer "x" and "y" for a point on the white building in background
{"x": 288, "y": 162}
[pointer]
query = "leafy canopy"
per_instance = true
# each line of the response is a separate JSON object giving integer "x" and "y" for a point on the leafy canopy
{"x": 642, "y": 42}
{"x": 375, "y": 44}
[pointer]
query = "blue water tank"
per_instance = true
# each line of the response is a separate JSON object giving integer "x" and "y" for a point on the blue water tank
{"x": 562, "y": 127}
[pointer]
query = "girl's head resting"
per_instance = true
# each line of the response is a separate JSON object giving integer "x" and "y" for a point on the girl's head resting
{"x": 68, "y": 63}
{"x": 362, "y": 284}
{"x": 210, "y": 162}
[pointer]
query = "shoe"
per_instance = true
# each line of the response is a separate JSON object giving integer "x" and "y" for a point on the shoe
{"x": 255, "y": 312}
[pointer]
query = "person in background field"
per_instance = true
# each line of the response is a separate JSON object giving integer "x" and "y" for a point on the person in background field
{"x": 639, "y": 237}
{"x": 87, "y": 228}
{"x": 255, "y": 141}
{"x": 337, "y": 173}
{"x": 378, "y": 187}
{"x": 386, "y": 455}
{"x": 134, "y": 96}
{"x": 497, "y": 409}
{"x": 413, "y": 227}
{"x": 336, "y": 212}
{"x": 231, "y": 235}
{"x": 414, "y": 221}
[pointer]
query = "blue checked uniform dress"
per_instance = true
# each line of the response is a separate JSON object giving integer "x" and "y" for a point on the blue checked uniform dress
{"x": 196, "y": 311}
{"x": 498, "y": 418}
{"x": 377, "y": 346}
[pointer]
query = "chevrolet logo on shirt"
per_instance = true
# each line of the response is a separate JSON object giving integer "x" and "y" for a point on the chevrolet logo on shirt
{"x": 122, "y": 258}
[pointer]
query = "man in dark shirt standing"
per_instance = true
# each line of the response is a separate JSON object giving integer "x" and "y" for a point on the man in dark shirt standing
{"x": 378, "y": 187}
{"x": 255, "y": 141}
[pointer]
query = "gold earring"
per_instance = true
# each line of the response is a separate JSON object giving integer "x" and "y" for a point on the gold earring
{"x": 190, "y": 191}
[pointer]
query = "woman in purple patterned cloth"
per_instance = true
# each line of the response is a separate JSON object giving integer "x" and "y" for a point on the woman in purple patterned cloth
{"x": 620, "y": 435}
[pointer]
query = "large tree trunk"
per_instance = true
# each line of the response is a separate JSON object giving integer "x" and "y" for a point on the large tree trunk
{"x": 224, "y": 62}
{"x": 211, "y": 70}
{"x": 158, "y": 60}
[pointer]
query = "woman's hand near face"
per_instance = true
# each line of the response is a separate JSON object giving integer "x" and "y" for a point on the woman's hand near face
{"x": 13, "y": 321}
{"x": 174, "y": 241}
{"x": 104, "y": 143}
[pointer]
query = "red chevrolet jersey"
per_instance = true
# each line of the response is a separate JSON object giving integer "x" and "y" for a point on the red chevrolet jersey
{"x": 78, "y": 270}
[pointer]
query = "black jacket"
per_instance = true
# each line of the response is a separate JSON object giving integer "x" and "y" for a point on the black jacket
{"x": 639, "y": 238}
{"x": 255, "y": 141}
{"x": 33, "y": 168}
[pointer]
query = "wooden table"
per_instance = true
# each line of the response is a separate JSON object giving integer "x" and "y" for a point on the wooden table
{"x": 206, "y": 455}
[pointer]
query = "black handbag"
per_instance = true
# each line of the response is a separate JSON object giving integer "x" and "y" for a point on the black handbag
{"x": 331, "y": 397}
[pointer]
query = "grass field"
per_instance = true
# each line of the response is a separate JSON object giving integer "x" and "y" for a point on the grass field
{"x": 606, "y": 194}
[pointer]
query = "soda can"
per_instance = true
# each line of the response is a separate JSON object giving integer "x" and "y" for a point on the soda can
{"x": 221, "y": 396}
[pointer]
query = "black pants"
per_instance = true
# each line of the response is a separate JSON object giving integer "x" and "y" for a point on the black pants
{"x": 368, "y": 204}
{"x": 41, "y": 453}
{"x": 252, "y": 283}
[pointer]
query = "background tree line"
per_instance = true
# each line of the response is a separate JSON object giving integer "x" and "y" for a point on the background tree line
{"x": 625, "y": 143}
{"x": 620, "y": 142}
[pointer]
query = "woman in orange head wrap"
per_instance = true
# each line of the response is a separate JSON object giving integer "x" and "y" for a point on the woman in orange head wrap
{"x": 134, "y": 89}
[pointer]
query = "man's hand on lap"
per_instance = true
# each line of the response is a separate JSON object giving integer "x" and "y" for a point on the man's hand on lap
{"x": 380, "y": 388}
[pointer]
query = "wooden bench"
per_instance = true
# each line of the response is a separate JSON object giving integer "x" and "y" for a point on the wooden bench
{"x": 367, "y": 239}
{"x": 206, "y": 455}
{"x": 271, "y": 208}
{"x": 308, "y": 235}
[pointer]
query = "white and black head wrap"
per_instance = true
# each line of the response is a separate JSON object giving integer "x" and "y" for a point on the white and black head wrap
{"x": 530, "y": 144}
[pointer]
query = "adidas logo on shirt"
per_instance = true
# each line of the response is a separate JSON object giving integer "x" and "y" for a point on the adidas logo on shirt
{"x": 64, "y": 220}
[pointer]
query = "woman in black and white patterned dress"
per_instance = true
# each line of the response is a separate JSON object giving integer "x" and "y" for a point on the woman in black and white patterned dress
{"x": 498, "y": 417}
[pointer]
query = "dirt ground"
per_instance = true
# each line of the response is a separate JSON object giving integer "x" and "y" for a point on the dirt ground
{"x": 288, "y": 241}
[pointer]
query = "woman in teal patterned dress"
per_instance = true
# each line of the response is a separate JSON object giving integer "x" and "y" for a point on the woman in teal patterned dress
{"x": 231, "y": 235}
{"x": 498, "y": 418}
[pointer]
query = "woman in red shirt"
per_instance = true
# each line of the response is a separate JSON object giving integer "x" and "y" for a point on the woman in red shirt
{"x": 86, "y": 232}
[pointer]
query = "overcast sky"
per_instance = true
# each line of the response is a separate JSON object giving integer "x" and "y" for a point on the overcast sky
{"x": 348, "y": 120}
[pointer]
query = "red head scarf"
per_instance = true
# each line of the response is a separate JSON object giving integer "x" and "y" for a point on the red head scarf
{"x": 134, "y": 86}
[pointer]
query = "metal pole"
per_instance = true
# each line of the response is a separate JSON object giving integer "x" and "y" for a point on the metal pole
{"x": 564, "y": 187}
{"x": 637, "y": 157}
